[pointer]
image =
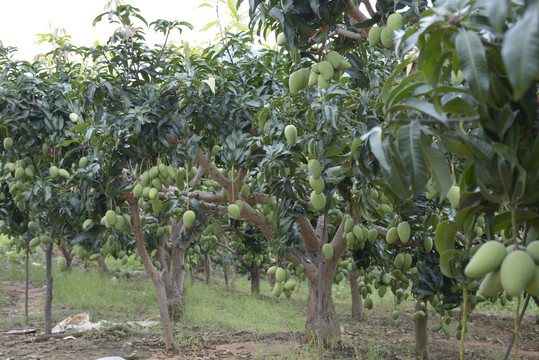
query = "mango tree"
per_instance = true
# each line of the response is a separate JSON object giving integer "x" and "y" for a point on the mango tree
{"x": 39, "y": 158}
{"x": 475, "y": 97}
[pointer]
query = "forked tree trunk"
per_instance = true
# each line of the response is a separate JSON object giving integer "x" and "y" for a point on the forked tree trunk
{"x": 255, "y": 279}
{"x": 357, "y": 300}
{"x": 157, "y": 277}
{"x": 207, "y": 268}
{"x": 68, "y": 255}
{"x": 48, "y": 296}
{"x": 421, "y": 334}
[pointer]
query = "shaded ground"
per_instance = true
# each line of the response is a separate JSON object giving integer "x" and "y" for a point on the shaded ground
{"x": 374, "y": 338}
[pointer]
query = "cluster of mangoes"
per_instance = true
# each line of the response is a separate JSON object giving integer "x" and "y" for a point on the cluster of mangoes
{"x": 511, "y": 269}
{"x": 384, "y": 35}
{"x": 121, "y": 222}
{"x": 22, "y": 172}
{"x": 284, "y": 283}
{"x": 343, "y": 269}
{"x": 318, "y": 198}
{"x": 321, "y": 74}
{"x": 357, "y": 235}
{"x": 400, "y": 232}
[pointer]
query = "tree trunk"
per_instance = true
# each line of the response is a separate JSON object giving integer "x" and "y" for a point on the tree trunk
{"x": 67, "y": 254}
{"x": 176, "y": 301}
{"x": 421, "y": 334}
{"x": 225, "y": 274}
{"x": 48, "y": 296}
{"x": 271, "y": 280}
{"x": 207, "y": 268}
{"x": 101, "y": 262}
{"x": 27, "y": 280}
{"x": 357, "y": 300}
{"x": 331, "y": 332}
{"x": 157, "y": 277}
{"x": 255, "y": 279}
{"x": 234, "y": 275}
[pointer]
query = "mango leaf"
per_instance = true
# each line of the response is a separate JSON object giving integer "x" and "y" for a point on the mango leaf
{"x": 495, "y": 11}
{"x": 315, "y": 5}
{"x": 455, "y": 145}
{"x": 464, "y": 217}
{"x": 520, "y": 51}
{"x": 446, "y": 265}
{"x": 421, "y": 106}
{"x": 503, "y": 220}
{"x": 397, "y": 179}
{"x": 472, "y": 58}
{"x": 403, "y": 89}
{"x": 409, "y": 143}
{"x": 388, "y": 85}
{"x": 444, "y": 237}
{"x": 429, "y": 55}
{"x": 438, "y": 168}
{"x": 377, "y": 147}
{"x": 458, "y": 105}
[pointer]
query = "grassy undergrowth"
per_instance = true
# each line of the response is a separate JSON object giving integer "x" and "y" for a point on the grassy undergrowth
{"x": 216, "y": 306}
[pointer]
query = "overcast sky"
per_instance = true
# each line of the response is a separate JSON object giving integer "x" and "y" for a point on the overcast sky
{"x": 21, "y": 20}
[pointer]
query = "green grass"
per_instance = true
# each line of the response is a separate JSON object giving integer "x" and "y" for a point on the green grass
{"x": 93, "y": 292}
{"x": 215, "y": 306}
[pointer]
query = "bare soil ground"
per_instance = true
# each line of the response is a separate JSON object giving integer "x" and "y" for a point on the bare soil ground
{"x": 376, "y": 337}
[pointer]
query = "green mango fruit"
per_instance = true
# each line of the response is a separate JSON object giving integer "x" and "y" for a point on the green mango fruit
{"x": 517, "y": 270}
{"x": 188, "y": 218}
{"x": 327, "y": 249}
{"x": 291, "y": 134}
{"x": 488, "y": 258}
{"x": 374, "y": 35}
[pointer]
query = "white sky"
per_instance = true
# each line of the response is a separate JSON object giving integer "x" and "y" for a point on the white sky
{"x": 21, "y": 20}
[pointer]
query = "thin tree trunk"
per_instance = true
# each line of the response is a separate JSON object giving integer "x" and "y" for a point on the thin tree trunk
{"x": 421, "y": 334}
{"x": 48, "y": 296}
{"x": 207, "y": 268}
{"x": 176, "y": 301}
{"x": 157, "y": 277}
{"x": 357, "y": 300}
{"x": 225, "y": 273}
{"x": 100, "y": 261}
{"x": 255, "y": 279}
{"x": 27, "y": 280}
{"x": 271, "y": 280}
{"x": 234, "y": 275}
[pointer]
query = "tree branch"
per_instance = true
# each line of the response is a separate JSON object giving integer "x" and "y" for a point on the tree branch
{"x": 242, "y": 173}
{"x": 212, "y": 170}
{"x": 236, "y": 230}
{"x": 224, "y": 246}
{"x": 362, "y": 34}
{"x": 198, "y": 176}
{"x": 320, "y": 229}
{"x": 352, "y": 9}
{"x": 308, "y": 235}
{"x": 258, "y": 198}
{"x": 338, "y": 242}
{"x": 258, "y": 219}
{"x": 370, "y": 10}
